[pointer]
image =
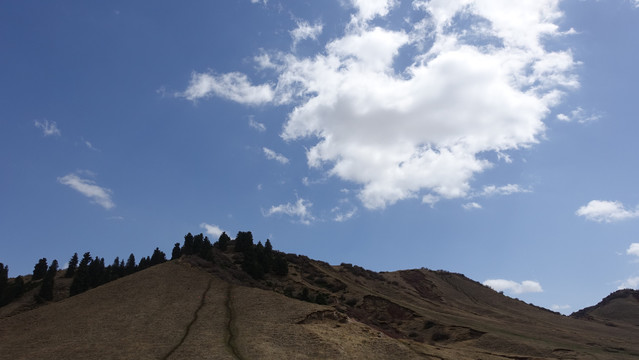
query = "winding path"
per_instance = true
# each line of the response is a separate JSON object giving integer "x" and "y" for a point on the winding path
{"x": 230, "y": 341}
{"x": 188, "y": 327}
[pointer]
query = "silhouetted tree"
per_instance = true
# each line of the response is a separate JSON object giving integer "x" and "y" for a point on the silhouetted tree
{"x": 205, "y": 249}
{"x": 73, "y": 265}
{"x": 176, "y": 252}
{"x": 46, "y": 290}
{"x": 12, "y": 291}
{"x": 40, "y": 269}
{"x": 4, "y": 279}
{"x": 187, "y": 248}
{"x": 158, "y": 257}
{"x": 145, "y": 262}
{"x": 198, "y": 242}
{"x": 223, "y": 241}
{"x": 129, "y": 268}
{"x": 243, "y": 241}
{"x": 82, "y": 280}
{"x": 268, "y": 247}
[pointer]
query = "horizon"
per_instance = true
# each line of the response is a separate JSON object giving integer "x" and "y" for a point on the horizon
{"x": 492, "y": 141}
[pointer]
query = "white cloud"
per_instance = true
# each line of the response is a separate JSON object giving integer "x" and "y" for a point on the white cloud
{"x": 403, "y": 132}
{"x": 430, "y": 199}
{"x": 606, "y": 211}
{"x": 272, "y": 155}
{"x": 232, "y": 86}
{"x": 48, "y": 128}
{"x": 633, "y": 249}
{"x": 300, "y": 210}
{"x": 579, "y": 115}
{"x": 305, "y": 31}
{"x": 630, "y": 283}
{"x": 88, "y": 188}
{"x": 369, "y": 9}
{"x": 471, "y": 206}
{"x": 212, "y": 230}
{"x": 526, "y": 286}
{"x": 256, "y": 125}
{"x": 259, "y": 1}
{"x": 509, "y": 189}
{"x": 560, "y": 307}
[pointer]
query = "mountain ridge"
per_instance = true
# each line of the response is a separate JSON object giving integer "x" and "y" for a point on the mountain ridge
{"x": 193, "y": 307}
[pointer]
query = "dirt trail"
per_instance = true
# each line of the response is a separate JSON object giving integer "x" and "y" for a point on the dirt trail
{"x": 188, "y": 327}
{"x": 230, "y": 342}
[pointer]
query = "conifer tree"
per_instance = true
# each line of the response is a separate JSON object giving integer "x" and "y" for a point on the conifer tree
{"x": 40, "y": 269}
{"x": 223, "y": 241}
{"x": 4, "y": 279}
{"x": 82, "y": 280}
{"x": 130, "y": 265}
{"x": 187, "y": 248}
{"x": 176, "y": 252}
{"x": 158, "y": 257}
{"x": 46, "y": 290}
{"x": 243, "y": 241}
{"x": 73, "y": 265}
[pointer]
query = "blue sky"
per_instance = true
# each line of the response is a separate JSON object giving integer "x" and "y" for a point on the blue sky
{"x": 491, "y": 138}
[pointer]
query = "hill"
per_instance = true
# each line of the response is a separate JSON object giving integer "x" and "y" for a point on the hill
{"x": 620, "y": 307}
{"x": 191, "y": 308}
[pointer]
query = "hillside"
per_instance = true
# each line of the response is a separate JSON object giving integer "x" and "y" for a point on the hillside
{"x": 195, "y": 309}
{"x": 616, "y": 309}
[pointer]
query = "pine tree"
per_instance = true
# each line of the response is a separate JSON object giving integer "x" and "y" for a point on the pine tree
{"x": 4, "y": 279}
{"x": 187, "y": 248}
{"x": 223, "y": 241}
{"x": 73, "y": 265}
{"x": 81, "y": 279}
{"x": 129, "y": 268}
{"x": 40, "y": 269}
{"x": 243, "y": 241}
{"x": 158, "y": 257}
{"x": 46, "y": 290}
{"x": 176, "y": 252}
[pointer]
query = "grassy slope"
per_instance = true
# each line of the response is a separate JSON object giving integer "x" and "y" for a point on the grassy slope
{"x": 179, "y": 310}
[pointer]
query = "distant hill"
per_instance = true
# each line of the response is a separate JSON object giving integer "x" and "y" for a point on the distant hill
{"x": 620, "y": 307}
{"x": 191, "y": 308}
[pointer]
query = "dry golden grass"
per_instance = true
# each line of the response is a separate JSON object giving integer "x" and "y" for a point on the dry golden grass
{"x": 190, "y": 310}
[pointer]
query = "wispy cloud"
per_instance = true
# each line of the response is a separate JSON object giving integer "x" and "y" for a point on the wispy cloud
{"x": 471, "y": 206}
{"x": 48, "y": 128}
{"x": 526, "y": 286}
{"x": 88, "y": 188}
{"x": 606, "y": 211}
{"x": 212, "y": 230}
{"x": 579, "y": 115}
{"x": 232, "y": 86}
{"x": 630, "y": 283}
{"x": 505, "y": 190}
{"x": 256, "y": 125}
{"x": 305, "y": 31}
{"x": 272, "y": 155}
{"x": 300, "y": 210}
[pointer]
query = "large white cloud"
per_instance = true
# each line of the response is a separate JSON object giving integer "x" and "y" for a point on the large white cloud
{"x": 526, "y": 286}
{"x": 606, "y": 211}
{"x": 420, "y": 129}
{"x": 88, "y": 188}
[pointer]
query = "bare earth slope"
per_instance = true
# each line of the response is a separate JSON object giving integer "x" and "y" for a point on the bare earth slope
{"x": 189, "y": 310}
